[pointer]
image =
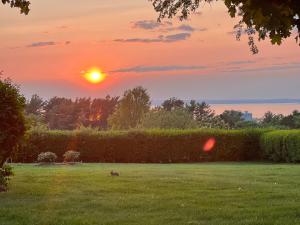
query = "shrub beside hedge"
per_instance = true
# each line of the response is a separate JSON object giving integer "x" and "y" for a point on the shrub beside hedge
{"x": 152, "y": 146}
{"x": 281, "y": 145}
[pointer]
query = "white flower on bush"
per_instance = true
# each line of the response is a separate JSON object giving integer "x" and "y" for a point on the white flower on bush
{"x": 47, "y": 157}
{"x": 71, "y": 156}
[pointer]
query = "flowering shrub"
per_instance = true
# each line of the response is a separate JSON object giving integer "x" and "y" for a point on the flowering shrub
{"x": 47, "y": 157}
{"x": 71, "y": 156}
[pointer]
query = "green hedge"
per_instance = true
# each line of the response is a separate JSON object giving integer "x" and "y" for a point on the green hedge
{"x": 154, "y": 146}
{"x": 281, "y": 145}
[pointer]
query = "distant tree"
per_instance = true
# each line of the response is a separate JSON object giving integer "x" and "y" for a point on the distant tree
{"x": 271, "y": 119}
{"x": 201, "y": 111}
{"x": 276, "y": 19}
{"x": 12, "y": 122}
{"x": 172, "y": 103}
{"x": 130, "y": 110}
{"x": 232, "y": 117}
{"x": 34, "y": 105}
{"x": 175, "y": 119}
{"x": 292, "y": 121}
{"x": 60, "y": 114}
{"x": 23, "y": 5}
{"x": 81, "y": 112}
{"x": 101, "y": 109}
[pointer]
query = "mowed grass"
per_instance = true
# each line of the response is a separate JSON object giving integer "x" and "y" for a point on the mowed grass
{"x": 146, "y": 194}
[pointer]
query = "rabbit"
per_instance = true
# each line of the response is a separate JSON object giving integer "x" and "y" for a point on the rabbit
{"x": 114, "y": 174}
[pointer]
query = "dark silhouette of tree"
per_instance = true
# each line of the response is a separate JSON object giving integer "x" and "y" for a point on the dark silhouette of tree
{"x": 271, "y": 119}
{"x": 23, "y": 5}
{"x": 201, "y": 111}
{"x": 172, "y": 103}
{"x": 101, "y": 109}
{"x": 34, "y": 105}
{"x": 292, "y": 121}
{"x": 66, "y": 114}
{"x": 60, "y": 114}
{"x": 275, "y": 19}
{"x": 12, "y": 122}
{"x": 232, "y": 117}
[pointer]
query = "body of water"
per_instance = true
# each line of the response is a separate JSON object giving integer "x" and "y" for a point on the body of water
{"x": 258, "y": 110}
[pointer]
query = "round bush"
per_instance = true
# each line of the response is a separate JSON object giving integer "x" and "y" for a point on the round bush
{"x": 71, "y": 156}
{"x": 47, "y": 157}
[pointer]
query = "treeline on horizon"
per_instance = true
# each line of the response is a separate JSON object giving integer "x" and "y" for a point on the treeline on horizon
{"x": 133, "y": 110}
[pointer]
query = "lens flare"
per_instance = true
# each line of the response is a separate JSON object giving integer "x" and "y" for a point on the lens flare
{"x": 95, "y": 76}
{"x": 209, "y": 145}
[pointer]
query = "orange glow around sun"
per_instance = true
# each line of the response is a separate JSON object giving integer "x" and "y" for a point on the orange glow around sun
{"x": 95, "y": 76}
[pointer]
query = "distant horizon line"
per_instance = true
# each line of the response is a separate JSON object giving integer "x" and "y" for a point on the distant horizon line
{"x": 238, "y": 101}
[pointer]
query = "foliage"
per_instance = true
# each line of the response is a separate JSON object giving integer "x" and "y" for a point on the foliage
{"x": 279, "y": 121}
{"x": 232, "y": 117}
{"x": 282, "y": 146}
{"x": 23, "y": 5}
{"x": 12, "y": 121}
{"x": 71, "y": 156}
{"x": 134, "y": 104}
{"x": 172, "y": 104}
{"x": 101, "y": 109}
{"x": 35, "y": 121}
{"x": 271, "y": 18}
{"x": 150, "y": 146}
{"x": 34, "y": 105}
{"x": 271, "y": 119}
{"x": 66, "y": 114}
{"x": 47, "y": 157}
{"x": 163, "y": 119}
{"x": 5, "y": 174}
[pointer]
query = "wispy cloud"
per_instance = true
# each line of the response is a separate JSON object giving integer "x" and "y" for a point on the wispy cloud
{"x": 164, "y": 26}
{"x": 177, "y": 37}
{"x": 241, "y": 62}
{"x": 161, "y": 38}
{"x": 185, "y": 28}
{"x": 145, "y": 69}
{"x": 149, "y": 24}
{"x": 270, "y": 68}
{"x": 41, "y": 44}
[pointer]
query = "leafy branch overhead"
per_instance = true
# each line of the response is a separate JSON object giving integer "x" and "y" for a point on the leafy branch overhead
{"x": 23, "y": 5}
{"x": 274, "y": 19}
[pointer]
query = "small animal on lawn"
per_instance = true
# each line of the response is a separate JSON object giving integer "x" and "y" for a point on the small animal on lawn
{"x": 114, "y": 174}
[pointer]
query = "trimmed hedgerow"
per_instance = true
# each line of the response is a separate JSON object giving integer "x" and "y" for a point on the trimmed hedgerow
{"x": 149, "y": 146}
{"x": 281, "y": 145}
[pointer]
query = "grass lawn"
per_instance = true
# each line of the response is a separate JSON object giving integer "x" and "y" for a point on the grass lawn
{"x": 168, "y": 194}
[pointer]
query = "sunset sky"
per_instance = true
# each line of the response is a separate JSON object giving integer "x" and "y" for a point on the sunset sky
{"x": 48, "y": 51}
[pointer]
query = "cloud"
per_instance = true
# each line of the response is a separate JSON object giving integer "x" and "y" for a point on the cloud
{"x": 165, "y": 26}
{"x": 270, "y": 68}
{"x": 149, "y": 24}
{"x": 41, "y": 44}
{"x": 186, "y": 28}
{"x": 145, "y": 69}
{"x": 241, "y": 62}
{"x": 177, "y": 37}
{"x": 161, "y": 38}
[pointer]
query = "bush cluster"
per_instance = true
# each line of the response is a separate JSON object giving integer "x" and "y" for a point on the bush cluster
{"x": 47, "y": 157}
{"x": 149, "y": 146}
{"x": 71, "y": 156}
{"x": 281, "y": 145}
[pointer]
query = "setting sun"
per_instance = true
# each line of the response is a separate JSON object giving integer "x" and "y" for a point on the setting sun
{"x": 94, "y": 76}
